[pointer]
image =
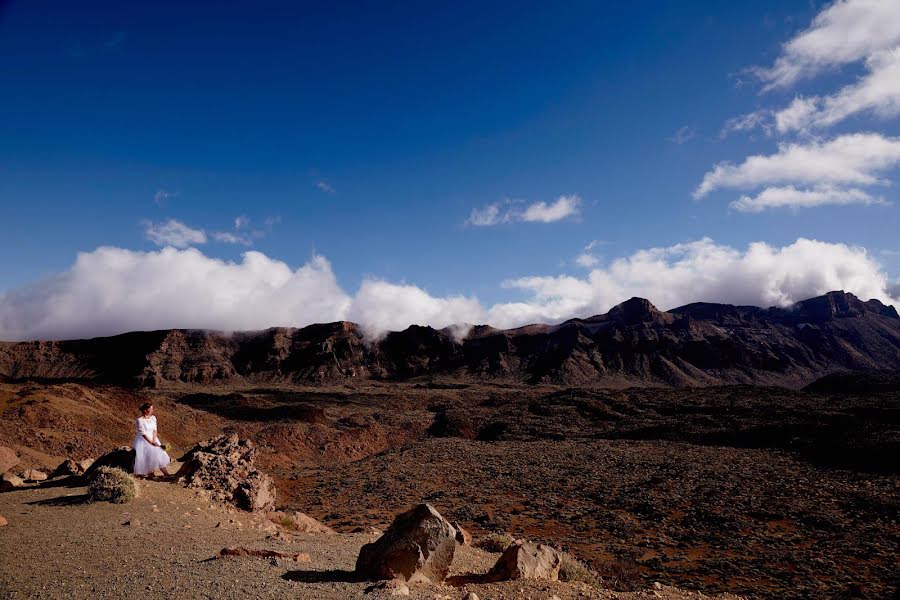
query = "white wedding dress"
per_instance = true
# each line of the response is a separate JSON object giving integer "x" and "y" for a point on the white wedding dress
{"x": 147, "y": 457}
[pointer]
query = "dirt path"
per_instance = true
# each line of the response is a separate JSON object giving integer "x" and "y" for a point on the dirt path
{"x": 163, "y": 545}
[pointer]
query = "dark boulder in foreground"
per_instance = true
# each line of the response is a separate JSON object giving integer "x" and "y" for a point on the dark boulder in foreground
{"x": 224, "y": 466}
{"x": 418, "y": 546}
{"x": 120, "y": 458}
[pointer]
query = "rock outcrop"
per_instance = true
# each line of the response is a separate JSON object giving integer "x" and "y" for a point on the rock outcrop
{"x": 67, "y": 468}
{"x": 224, "y": 465}
{"x": 525, "y": 560}
{"x": 418, "y": 546}
{"x": 633, "y": 344}
{"x": 10, "y": 482}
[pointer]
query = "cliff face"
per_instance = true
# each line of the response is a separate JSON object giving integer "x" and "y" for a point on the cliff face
{"x": 633, "y": 344}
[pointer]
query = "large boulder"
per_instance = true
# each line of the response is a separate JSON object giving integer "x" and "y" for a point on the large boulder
{"x": 224, "y": 466}
{"x": 120, "y": 458}
{"x": 8, "y": 459}
{"x": 524, "y": 560}
{"x": 418, "y": 546}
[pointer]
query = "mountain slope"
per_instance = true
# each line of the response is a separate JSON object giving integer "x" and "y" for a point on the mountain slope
{"x": 633, "y": 344}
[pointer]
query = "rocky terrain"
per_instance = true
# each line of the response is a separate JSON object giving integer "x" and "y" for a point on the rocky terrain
{"x": 772, "y": 491}
{"x": 633, "y": 344}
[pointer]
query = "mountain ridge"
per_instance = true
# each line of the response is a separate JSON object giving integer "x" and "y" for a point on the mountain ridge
{"x": 634, "y": 343}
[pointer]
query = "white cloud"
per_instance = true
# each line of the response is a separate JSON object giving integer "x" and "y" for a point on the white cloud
{"x": 878, "y": 93}
{"x": 757, "y": 119}
{"x": 761, "y": 275}
{"x": 587, "y": 258}
{"x": 683, "y": 135}
{"x": 227, "y": 237}
{"x": 845, "y": 32}
{"x": 856, "y": 159}
{"x": 161, "y": 196}
{"x": 541, "y": 212}
{"x": 538, "y": 212}
{"x": 241, "y": 221}
{"x": 485, "y": 217}
{"x": 112, "y": 290}
{"x": 173, "y": 233}
{"x": 381, "y": 306}
{"x": 324, "y": 186}
{"x": 793, "y": 198}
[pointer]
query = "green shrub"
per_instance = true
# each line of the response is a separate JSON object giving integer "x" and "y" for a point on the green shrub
{"x": 112, "y": 485}
{"x": 573, "y": 569}
{"x": 494, "y": 542}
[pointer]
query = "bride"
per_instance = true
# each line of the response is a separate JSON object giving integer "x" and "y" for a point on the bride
{"x": 148, "y": 453}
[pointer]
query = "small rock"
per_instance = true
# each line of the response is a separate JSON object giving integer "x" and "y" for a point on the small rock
{"x": 657, "y": 585}
{"x": 67, "y": 468}
{"x": 85, "y": 464}
{"x": 34, "y": 475}
{"x": 3, "y": 522}
{"x": 524, "y": 560}
{"x": 133, "y": 523}
{"x": 474, "y": 596}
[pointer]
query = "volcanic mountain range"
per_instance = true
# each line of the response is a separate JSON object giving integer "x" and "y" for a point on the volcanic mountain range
{"x": 633, "y": 344}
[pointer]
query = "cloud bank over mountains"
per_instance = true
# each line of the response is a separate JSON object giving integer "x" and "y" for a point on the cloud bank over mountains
{"x": 114, "y": 290}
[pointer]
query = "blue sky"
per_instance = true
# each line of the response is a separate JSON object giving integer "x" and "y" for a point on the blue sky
{"x": 367, "y": 133}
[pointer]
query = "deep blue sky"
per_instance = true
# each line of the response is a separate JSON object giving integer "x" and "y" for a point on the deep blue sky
{"x": 413, "y": 112}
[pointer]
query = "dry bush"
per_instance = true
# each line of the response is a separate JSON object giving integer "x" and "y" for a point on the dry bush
{"x": 112, "y": 485}
{"x": 621, "y": 575}
{"x": 494, "y": 542}
{"x": 573, "y": 569}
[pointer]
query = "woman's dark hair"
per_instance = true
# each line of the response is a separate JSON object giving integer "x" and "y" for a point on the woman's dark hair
{"x": 146, "y": 406}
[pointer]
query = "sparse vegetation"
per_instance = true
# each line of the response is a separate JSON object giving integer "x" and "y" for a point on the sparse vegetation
{"x": 112, "y": 485}
{"x": 573, "y": 569}
{"x": 494, "y": 542}
{"x": 621, "y": 575}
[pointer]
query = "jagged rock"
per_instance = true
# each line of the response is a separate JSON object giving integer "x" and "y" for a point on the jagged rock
{"x": 67, "y": 468}
{"x": 34, "y": 475}
{"x": 224, "y": 466}
{"x": 524, "y": 560}
{"x": 120, "y": 458}
{"x": 85, "y": 464}
{"x": 3, "y": 522}
{"x": 418, "y": 546}
{"x": 8, "y": 459}
{"x": 298, "y": 522}
{"x": 463, "y": 537}
{"x": 9, "y": 482}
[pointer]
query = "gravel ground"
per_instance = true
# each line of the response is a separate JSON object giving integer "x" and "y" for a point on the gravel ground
{"x": 163, "y": 545}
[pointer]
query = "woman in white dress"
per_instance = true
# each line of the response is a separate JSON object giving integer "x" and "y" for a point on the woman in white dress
{"x": 148, "y": 453}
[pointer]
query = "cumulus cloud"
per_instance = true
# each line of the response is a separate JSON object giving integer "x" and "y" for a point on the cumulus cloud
{"x": 878, "y": 93}
{"x": 855, "y": 159}
{"x": 793, "y": 198}
{"x": 845, "y": 32}
{"x": 113, "y": 290}
{"x": 587, "y": 258}
{"x": 173, "y": 233}
{"x": 563, "y": 207}
{"x": 702, "y": 270}
{"x": 380, "y": 306}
